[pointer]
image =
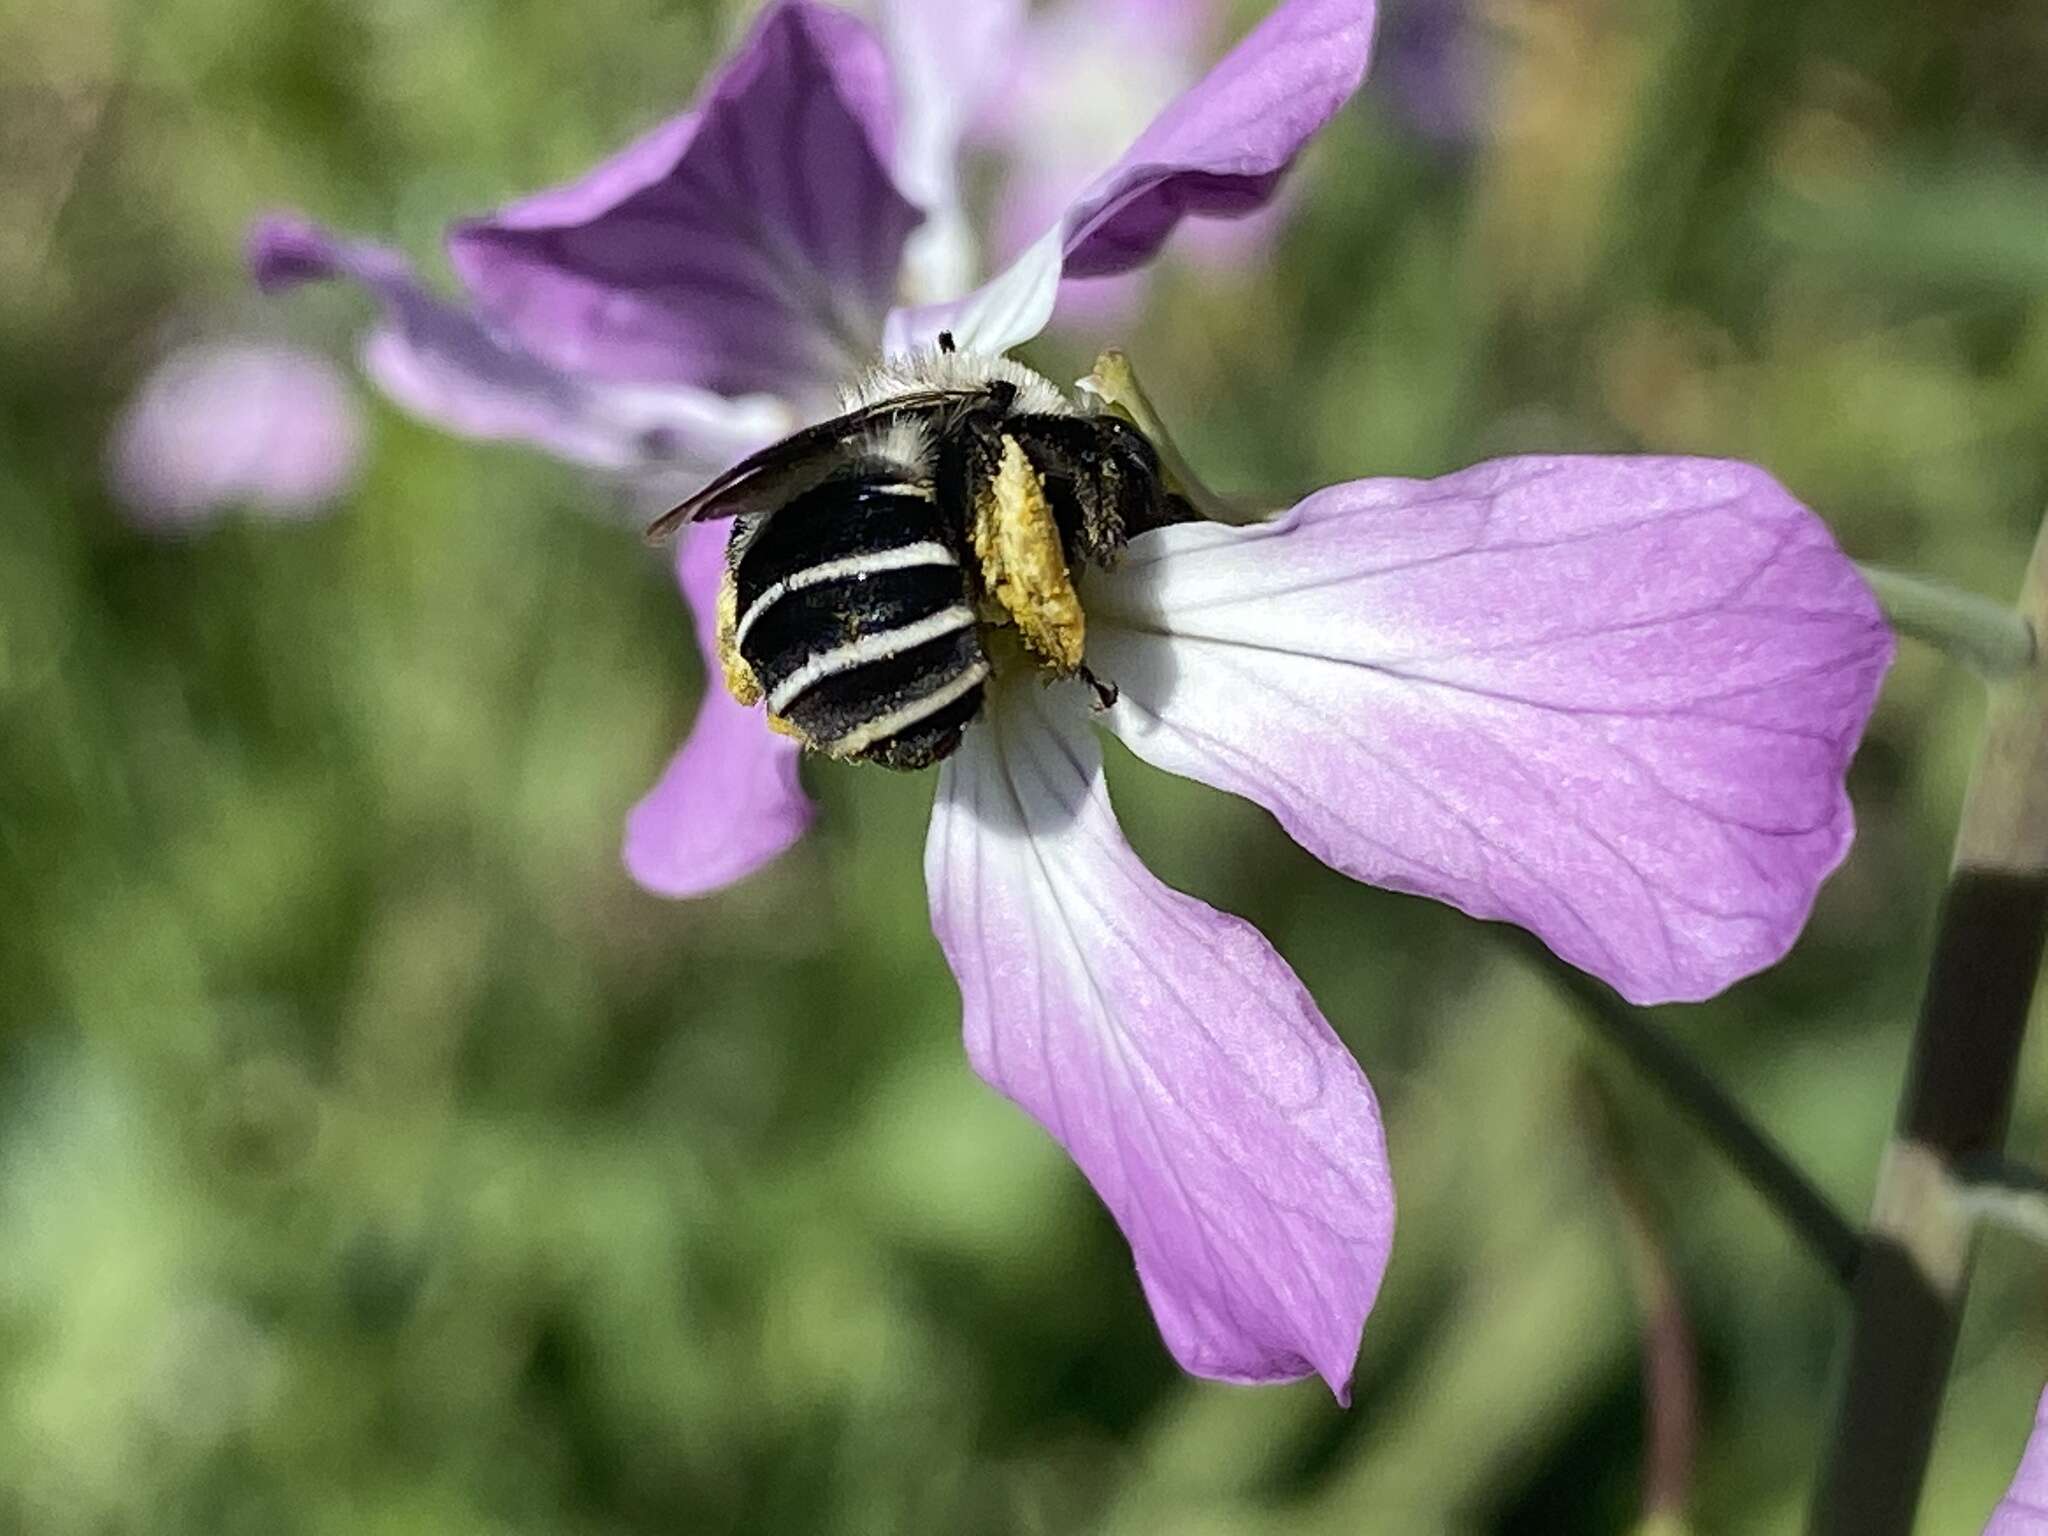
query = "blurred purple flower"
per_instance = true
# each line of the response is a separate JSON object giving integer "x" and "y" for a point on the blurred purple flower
{"x": 1043, "y": 89}
{"x": 447, "y": 366}
{"x": 225, "y": 424}
{"x": 1432, "y": 69}
{"x": 1078, "y": 75}
{"x": 2024, "y": 1509}
{"x": 1611, "y": 700}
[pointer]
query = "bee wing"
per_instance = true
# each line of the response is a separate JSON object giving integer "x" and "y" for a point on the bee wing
{"x": 784, "y": 470}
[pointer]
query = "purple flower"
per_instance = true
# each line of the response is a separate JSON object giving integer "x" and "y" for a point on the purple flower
{"x": 1432, "y": 68}
{"x": 1078, "y": 75}
{"x": 1045, "y": 89}
{"x": 1609, "y": 699}
{"x": 2024, "y": 1509}
{"x": 449, "y": 367}
{"x": 222, "y": 424}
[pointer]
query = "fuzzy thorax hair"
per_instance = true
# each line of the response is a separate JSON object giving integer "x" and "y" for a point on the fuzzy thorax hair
{"x": 930, "y": 369}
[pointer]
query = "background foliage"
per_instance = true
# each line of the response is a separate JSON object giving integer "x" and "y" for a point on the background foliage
{"x": 374, "y": 1158}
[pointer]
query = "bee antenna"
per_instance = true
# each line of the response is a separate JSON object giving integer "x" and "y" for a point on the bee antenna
{"x": 946, "y": 347}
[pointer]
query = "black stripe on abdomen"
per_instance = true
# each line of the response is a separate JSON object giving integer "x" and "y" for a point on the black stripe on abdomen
{"x": 835, "y": 612}
{"x": 848, "y": 705}
{"x": 834, "y": 520}
{"x": 854, "y": 612}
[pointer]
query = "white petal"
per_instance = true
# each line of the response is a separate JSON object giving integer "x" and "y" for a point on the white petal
{"x": 1004, "y": 312}
{"x": 1167, "y": 1047}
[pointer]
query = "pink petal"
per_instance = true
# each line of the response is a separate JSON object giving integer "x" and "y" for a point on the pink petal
{"x": 1085, "y": 74}
{"x": 750, "y": 244}
{"x": 1219, "y": 149}
{"x": 2024, "y": 1509}
{"x": 230, "y": 423}
{"x": 1100, "y": 305}
{"x": 1611, "y": 700}
{"x": 1167, "y": 1048}
{"x": 729, "y": 801}
{"x": 444, "y": 366}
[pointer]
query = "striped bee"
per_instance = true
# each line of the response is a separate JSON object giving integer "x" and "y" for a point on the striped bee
{"x": 872, "y": 555}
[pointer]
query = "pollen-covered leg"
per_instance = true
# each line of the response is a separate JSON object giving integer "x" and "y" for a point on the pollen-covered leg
{"x": 740, "y": 681}
{"x": 1103, "y": 480}
{"x": 1023, "y": 568}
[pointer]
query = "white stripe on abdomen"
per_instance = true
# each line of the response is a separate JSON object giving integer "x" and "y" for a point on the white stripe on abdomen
{"x": 879, "y": 646}
{"x": 861, "y": 737}
{"x": 902, "y": 558}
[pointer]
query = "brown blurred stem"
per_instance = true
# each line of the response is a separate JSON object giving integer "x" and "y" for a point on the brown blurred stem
{"x": 1679, "y": 1076}
{"x": 1914, "y": 1267}
{"x": 1670, "y": 1361}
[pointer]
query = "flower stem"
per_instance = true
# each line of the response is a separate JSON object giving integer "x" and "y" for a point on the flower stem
{"x": 1991, "y": 640}
{"x": 1914, "y": 1269}
{"x": 1671, "y": 1408}
{"x": 1680, "y": 1077}
{"x": 1999, "y": 1193}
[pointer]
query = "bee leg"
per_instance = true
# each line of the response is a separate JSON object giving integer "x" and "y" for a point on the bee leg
{"x": 1023, "y": 567}
{"x": 1104, "y": 480}
{"x": 740, "y": 680}
{"x": 1105, "y": 692}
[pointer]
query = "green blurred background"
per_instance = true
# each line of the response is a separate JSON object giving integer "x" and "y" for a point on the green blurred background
{"x": 375, "y": 1158}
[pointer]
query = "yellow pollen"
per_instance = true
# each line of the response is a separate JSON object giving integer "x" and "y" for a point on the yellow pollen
{"x": 1022, "y": 566}
{"x": 740, "y": 681}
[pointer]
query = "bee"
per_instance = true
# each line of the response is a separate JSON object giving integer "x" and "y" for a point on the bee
{"x": 871, "y": 555}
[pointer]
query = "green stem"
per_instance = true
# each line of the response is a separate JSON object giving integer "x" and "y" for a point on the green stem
{"x": 1680, "y": 1077}
{"x": 1991, "y": 640}
{"x": 1995, "y": 1192}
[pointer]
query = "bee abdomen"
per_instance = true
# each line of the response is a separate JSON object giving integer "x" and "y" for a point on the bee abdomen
{"x": 901, "y": 707}
{"x": 854, "y": 613}
{"x": 837, "y": 601}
